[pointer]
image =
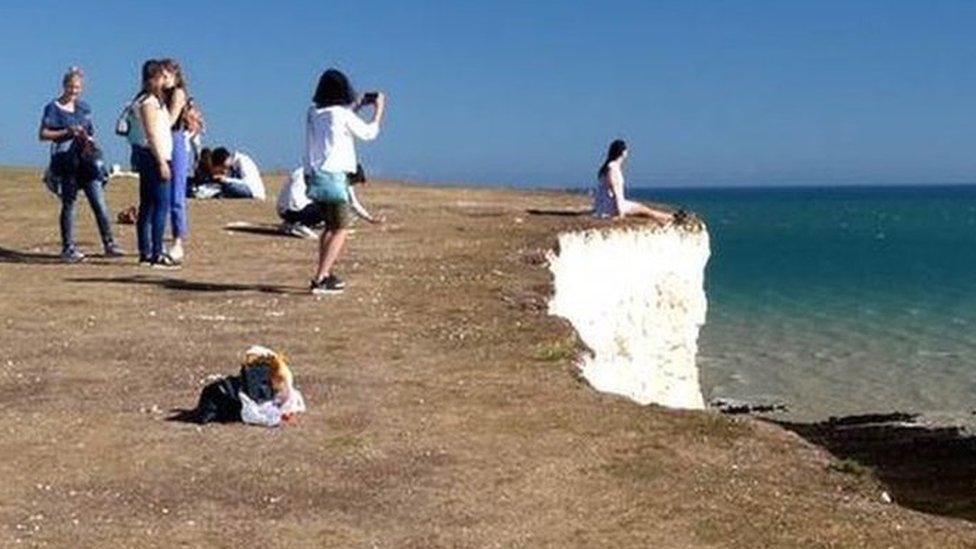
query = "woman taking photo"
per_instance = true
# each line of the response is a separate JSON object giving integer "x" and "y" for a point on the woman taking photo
{"x": 330, "y": 156}
{"x": 610, "y": 200}
{"x": 176, "y": 101}
{"x": 67, "y": 123}
{"x": 152, "y": 151}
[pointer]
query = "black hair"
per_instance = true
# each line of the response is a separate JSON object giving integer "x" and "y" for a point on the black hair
{"x": 333, "y": 89}
{"x": 219, "y": 156}
{"x": 616, "y": 150}
{"x": 150, "y": 69}
{"x": 204, "y": 165}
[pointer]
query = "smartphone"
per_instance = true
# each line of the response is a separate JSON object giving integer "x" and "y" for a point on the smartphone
{"x": 369, "y": 98}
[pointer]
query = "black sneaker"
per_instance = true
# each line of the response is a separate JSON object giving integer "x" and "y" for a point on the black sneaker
{"x": 72, "y": 255}
{"x": 336, "y": 281}
{"x": 328, "y": 285}
{"x": 166, "y": 262}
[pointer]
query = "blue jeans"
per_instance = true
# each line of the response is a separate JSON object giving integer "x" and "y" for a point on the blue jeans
{"x": 154, "y": 202}
{"x": 181, "y": 167}
{"x": 96, "y": 198}
{"x": 235, "y": 190}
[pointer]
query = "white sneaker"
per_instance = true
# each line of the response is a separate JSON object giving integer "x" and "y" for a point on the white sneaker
{"x": 291, "y": 229}
{"x": 176, "y": 252}
{"x": 306, "y": 232}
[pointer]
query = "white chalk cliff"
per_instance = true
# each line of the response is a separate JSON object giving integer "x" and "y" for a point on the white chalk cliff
{"x": 636, "y": 297}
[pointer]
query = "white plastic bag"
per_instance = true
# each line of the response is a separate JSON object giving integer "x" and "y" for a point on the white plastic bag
{"x": 266, "y": 413}
{"x": 270, "y": 413}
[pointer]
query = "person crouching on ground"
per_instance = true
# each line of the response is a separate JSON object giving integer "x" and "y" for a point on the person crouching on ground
{"x": 237, "y": 174}
{"x": 67, "y": 123}
{"x": 610, "y": 200}
{"x": 300, "y": 216}
{"x": 152, "y": 151}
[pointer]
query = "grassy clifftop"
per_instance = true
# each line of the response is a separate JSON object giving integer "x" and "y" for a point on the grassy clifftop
{"x": 444, "y": 409}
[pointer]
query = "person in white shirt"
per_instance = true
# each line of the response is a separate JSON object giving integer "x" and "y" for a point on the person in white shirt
{"x": 331, "y": 127}
{"x": 609, "y": 200}
{"x": 237, "y": 174}
{"x": 152, "y": 152}
{"x": 300, "y": 215}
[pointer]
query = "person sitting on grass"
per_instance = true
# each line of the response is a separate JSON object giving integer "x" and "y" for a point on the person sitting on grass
{"x": 300, "y": 216}
{"x": 610, "y": 200}
{"x": 237, "y": 174}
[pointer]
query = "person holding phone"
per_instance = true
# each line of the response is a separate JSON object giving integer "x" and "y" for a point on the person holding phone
{"x": 152, "y": 151}
{"x": 67, "y": 124}
{"x": 331, "y": 128}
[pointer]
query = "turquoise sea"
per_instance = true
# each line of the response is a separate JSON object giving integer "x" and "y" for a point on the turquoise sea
{"x": 840, "y": 301}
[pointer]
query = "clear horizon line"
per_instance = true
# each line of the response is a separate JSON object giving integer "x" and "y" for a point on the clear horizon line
{"x": 704, "y": 184}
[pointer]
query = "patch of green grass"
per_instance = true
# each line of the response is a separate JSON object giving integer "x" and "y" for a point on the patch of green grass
{"x": 709, "y": 531}
{"x": 346, "y": 442}
{"x": 849, "y": 467}
{"x": 556, "y": 351}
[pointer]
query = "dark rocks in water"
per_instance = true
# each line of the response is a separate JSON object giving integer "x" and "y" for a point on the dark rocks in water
{"x": 927, "y": 468}
{"x": 733, "y": 407}
{"x": 869, "y": 419}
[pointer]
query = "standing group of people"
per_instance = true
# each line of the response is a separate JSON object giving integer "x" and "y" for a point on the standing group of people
{"x": 159, "y": 123}
{"x": 162, "y": 122}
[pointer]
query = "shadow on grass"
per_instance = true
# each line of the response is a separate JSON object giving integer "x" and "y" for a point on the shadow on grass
{"x": 13, "y": 256}
{"x": 187, "y": 285}
{"x": 262, "y": 229}
{"x": 929, "y": 469}
{"x": 559, "y": 212}
{"x": 8, "y": 255}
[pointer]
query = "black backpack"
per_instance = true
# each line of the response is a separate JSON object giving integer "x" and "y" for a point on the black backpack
{"x": 220, "y": 400}
{"x": 256, "y": 382}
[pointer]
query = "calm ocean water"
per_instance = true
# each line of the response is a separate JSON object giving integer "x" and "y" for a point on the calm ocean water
{"x": 840, "y": 300}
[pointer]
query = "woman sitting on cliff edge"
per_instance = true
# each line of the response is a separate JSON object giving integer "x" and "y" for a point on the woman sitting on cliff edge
{"x": 610, "y": 200}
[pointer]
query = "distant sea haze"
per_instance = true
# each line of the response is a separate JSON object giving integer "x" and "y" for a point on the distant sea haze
{"x": 840, "y": 300}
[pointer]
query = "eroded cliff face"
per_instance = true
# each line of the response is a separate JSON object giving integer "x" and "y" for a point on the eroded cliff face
{"x": 636, "y": 297}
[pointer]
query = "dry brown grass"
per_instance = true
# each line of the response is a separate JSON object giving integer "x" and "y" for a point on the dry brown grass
{"x": 443, "y": 411}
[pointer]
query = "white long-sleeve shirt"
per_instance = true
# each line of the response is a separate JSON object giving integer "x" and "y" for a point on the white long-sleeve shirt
{"x": 244, "y": 170}
{"x": 329, "y": 138}
{"x": 291, "y": 197}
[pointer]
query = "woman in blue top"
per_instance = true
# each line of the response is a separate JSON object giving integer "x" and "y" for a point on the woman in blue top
{"x": 67, "y": 123}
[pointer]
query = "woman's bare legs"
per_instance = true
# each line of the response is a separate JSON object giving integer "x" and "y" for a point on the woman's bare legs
{"x": 640, "y": 210}
{"x": 330, "y": 245}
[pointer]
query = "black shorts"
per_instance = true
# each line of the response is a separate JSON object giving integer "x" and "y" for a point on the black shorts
{"x": 337, "y": 215}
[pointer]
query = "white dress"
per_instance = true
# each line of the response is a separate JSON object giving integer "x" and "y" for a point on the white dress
{"x": 604, "y": 204}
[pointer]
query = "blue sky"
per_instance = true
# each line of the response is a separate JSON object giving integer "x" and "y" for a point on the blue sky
{"x": 706, "y": 92}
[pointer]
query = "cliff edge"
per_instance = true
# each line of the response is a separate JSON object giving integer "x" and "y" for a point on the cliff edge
{"x": 636, "y": 297}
